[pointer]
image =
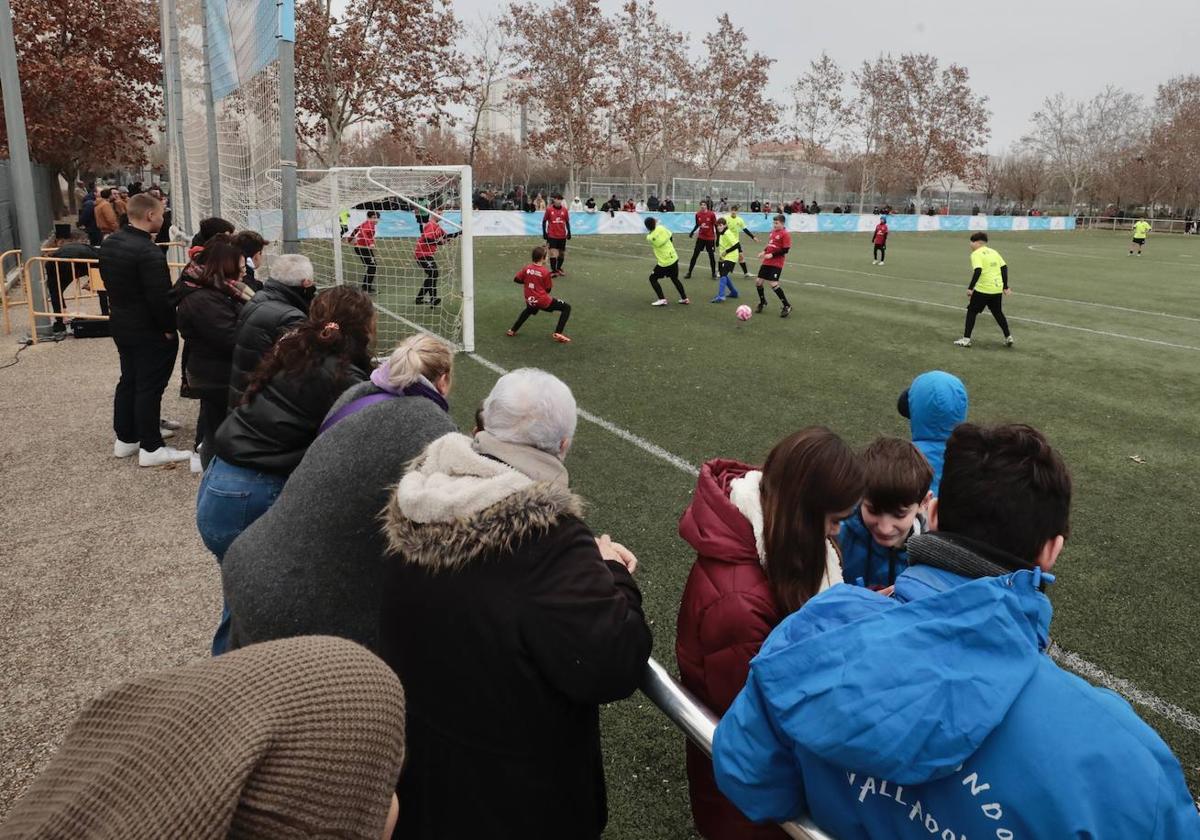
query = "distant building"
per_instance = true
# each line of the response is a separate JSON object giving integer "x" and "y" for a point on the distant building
{"x": 505, "y": 118}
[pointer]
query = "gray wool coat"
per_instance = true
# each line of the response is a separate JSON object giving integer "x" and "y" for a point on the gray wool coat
{"x": 310, "y": 565}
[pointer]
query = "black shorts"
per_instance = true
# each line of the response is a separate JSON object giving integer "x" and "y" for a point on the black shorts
{"x": 769, "y": 272}
{"x": 725, "y": 267}
{"x": 557, "y": 244}
{"x": 671, "y": 272}
{"x": 1137, "y": 241}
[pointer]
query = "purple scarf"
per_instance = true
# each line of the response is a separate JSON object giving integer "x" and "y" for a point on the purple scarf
{"x": 420, "y": 388}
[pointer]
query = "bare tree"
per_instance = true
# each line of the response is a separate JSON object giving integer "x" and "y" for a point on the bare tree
{"x": 486, "y": 65}
{"x": 986, "y": 174}
{"x": 1075, "y": 137}
{"x": 572, "y": 87}
{"x": 822, "y": 111}
{"x": 937, "y": 124}
{"x": 873, "y": 83}
{"x": 1023, "y": 176}
{"x": 723, "y": 105}
{"x": 1176, "y": 134}
{"x": 652, "y": 54}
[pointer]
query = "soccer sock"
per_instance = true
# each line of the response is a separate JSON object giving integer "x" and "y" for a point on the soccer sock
{"x": 729, "y": 285}
{"x": 562, "y": 317}
{"x": 562, "y": 258}
{"x": 679, "y": 287}
{"x": 522, "y": 318}
{"x": 654, "y": 284}
{"x": 722, "y": 284}
{"x": 554, "y": 263}
{"x": 762, "y": 296}
{"x": 782, "y": 297}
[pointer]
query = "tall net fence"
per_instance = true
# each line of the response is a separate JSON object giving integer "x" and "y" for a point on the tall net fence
{"x": 419, "y": 269}
{"x": 239, "y": 39}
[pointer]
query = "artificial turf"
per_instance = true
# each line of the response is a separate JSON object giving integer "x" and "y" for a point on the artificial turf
{"x": 1106, "y": 363}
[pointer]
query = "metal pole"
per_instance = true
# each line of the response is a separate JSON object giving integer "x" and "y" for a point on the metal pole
{"x": 210, "y": 119}
{"x": 287, "y": 126}
{"x": 176, "y": 110}
{"x": 467, "y": 249}
{"x": 336, "y": 202}
{"x": 19, "y": 166}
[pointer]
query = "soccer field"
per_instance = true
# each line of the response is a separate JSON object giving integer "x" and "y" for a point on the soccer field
{"x": 1106, "y": 361}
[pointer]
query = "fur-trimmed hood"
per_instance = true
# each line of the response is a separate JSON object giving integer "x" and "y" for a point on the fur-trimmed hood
{"x": 455, "y": 505}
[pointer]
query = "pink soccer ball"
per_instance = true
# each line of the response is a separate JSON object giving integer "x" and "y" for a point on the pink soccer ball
{"x": 743, "y": 313}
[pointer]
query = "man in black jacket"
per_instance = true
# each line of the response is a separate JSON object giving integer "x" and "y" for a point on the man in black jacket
{"x": 282, "y": 303}
{"x": 138, "y": 280}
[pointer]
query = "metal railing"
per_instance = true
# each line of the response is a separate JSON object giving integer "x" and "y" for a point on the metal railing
{"x": 10, "y": 264}
{"x": 1113, "y": 223}
{"x": 699, "y": 724}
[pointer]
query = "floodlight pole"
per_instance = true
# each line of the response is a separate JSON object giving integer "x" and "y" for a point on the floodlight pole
{"x": 210, "y": 118}
{"x": 18, "y": 156}
{"x": 287, "y": 125}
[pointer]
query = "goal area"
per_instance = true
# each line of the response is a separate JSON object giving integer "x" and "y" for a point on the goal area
{"x": 689, "y": 192}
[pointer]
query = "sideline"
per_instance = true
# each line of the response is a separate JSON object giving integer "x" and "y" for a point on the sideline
{"x": 1179, "y": 716}
{"x": 1042, "y": 249}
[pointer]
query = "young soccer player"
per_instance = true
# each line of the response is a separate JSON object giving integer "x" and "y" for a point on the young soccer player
{"x": 738, "y": 225}
{"x": 363, "y": 240}
{"x": 666, "y": 262}
{"x": 536, "y": 283}
{"x": 706, "y": 224}
{"x": 989, "y": 285}
{"x": 873, "y": 540}
{"x": 730, "y": 249}
{"x": 556, "y": 230}
{"x": 1140, "y": 228}
{"x": 773, "y": 258}
{"x": 432, "y": 235}
{"x": 879, "y": 242}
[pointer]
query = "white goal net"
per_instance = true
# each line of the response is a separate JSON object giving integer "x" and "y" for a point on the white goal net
{"x": 420, "y": 270}
{"x": 689, "y": 192}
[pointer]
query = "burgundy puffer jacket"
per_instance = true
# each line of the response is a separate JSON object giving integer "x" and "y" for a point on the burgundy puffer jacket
{"x": 726, "y": 614}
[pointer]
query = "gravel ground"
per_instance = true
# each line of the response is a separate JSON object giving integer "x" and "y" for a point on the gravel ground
{"x": 102, "y": 572}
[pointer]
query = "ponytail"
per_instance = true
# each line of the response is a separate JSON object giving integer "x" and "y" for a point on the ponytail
{"x": 418, "y": 355}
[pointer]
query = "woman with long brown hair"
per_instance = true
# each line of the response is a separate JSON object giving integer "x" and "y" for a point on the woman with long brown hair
{"x": 264, "y": 438}
{"x": 765, "y": 543}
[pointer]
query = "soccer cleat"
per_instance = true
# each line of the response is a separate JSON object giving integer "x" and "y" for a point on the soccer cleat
{"x": 786, "y": 311}
{"x": 121, "y": 449}
{"x": 760, "y": 307}
{"x": 420, "y": 300}
{"x": 685, "y": 301}
{"x": 162, "y": 456}
{"x": 717, "y": 299}
{"x": 556, "y": 273}
{"x": 874, "y": 262}
{"x": 1008, "y": 341}
{"x": 660, "y": 302}
{"x": 562, "y": 273}
{"x": 435, "y": 302}
{"x": 963, "y": 342}
{"x": 511, "y": 333}
{"x": 714, "y": 277}
{"x": 688, "y": 276}
{"x": 560, "y": 338}
{"x": 881, "y": 262}
{"x": 734, "y": 295}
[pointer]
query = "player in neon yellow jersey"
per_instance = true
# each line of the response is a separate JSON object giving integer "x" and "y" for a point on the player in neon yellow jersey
{"x": 989, "y": 285}
{"x": 1140, "y": 228}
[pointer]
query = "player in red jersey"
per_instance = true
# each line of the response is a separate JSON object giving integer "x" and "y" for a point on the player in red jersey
{"x": 432, "y": 235}
{"x": 879, "y": 241}
{"x": 556, "y": 230}
{"x": 536, "y": 283}
{"x": 773, "y": 257}
{"x": 706, "y": 224}
{"x": 363, "y": 240}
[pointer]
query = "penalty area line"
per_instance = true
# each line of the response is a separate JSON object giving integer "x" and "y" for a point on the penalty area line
{"x": 1072, "y": 661}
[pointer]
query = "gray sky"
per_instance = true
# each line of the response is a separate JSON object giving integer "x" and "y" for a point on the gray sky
{"x": 1017, "y": 51}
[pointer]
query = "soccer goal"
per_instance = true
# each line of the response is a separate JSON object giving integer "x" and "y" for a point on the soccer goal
{"x": 689, "y": 192}
{"x": 420, "y": 272}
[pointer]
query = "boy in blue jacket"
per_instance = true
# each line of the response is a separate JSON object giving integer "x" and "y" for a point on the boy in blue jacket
{"x": 937, "y": 713}
{"x": 874, "y": 539}
{"x": 934, "y": 404}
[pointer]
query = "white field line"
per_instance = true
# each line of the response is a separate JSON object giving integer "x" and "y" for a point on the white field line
{"x": 1180, "y": 717}
{"x": 1018, "y": 318}
{"x": 1042, "y": 249}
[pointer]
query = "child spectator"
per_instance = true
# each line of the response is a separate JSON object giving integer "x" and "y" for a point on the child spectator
{"x": 252, "y": 244}
{"x": 536, "y": 283}
{"x": 874, "y": 538}
{"x": 934, "y": 404}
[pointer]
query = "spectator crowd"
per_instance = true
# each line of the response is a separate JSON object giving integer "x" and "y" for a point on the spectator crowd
{"x": 419, "y": 625}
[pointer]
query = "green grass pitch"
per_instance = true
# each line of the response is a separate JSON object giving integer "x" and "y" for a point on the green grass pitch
{"x": 1106, "y": 362}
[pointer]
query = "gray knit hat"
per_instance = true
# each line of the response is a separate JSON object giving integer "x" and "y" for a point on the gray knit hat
{"x": 300, "y": 737}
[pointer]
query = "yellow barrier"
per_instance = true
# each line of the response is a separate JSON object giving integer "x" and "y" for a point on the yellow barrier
{"x": 9, "y": 260}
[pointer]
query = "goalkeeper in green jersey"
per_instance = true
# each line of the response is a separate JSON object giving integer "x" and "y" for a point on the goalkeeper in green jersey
{"x": 1140, "y": 228}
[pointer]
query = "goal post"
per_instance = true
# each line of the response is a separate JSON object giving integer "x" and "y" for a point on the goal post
{"x": 417, "y": 282}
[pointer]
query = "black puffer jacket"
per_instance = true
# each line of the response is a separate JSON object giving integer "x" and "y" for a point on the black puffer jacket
{"x": 138, "y": 281}
{"x": 207, "y": 321}
{"x": 274, "y": 429}
{"x": 267, "y": 316}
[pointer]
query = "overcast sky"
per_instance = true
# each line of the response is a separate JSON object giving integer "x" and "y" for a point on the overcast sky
{"x": 1017, "y": 51}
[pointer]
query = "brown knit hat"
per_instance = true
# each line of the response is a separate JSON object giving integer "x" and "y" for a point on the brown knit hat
{"x": 301, "y": 737}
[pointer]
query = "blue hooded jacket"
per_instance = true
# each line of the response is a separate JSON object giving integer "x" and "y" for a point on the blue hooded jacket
{"x": 862, "y": 557}
{"x": 937, "y": 402}
{"x": 937, "y": 714}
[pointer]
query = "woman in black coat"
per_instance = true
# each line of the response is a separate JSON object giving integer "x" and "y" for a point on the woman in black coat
{"x": 207, "y": 305}
{"x": 508, "y": 622}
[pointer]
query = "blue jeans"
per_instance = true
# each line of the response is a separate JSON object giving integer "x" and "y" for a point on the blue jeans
{"x": 231, "y": 498}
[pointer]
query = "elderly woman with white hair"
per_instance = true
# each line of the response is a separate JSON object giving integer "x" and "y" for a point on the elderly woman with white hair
{"x": 508, "y": 622}
{"x": 311, "y": 564}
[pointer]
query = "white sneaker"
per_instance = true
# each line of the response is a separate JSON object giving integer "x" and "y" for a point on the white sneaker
{"x": 173, "y": 425}
{"x": 1008, "y": 342}
{"x": 881, "y": 262}
{"x": 121, "y": 449}
{"x": 660, "y": 302}
{"x": 963, "y": 342}
{"x": 195, "y": 465}
{"x": 162, "y": 456}
{"x": 165, "y": 433}
{"x": 874, "y": 262}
